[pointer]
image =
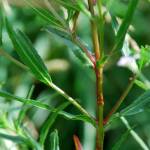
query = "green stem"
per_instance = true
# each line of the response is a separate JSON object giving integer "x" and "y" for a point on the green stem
{"x": 96, "y": 46}
{"x": 101, "y": 23}
{"x": 99, "y": 80}
{"x": 100, "y": 109}
{"x": 72, "y": 101}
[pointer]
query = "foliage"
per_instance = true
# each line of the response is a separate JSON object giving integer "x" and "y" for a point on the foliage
{"x": 97, "y": 51}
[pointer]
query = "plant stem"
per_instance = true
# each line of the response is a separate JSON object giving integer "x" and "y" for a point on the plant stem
{"x": 100, "y": 107}
{"x": 121, "y": 99}
{"x": 72, "y": 101}
{"x": 99, "y": 80}
{"x": 101, "y": 23}
{"x": 94, "y": 31}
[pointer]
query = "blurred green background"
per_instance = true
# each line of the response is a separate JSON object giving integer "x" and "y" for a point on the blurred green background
{"x": 75, "y": 77}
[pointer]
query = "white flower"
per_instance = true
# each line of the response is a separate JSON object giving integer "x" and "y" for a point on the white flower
{"x": 128, "y": 62}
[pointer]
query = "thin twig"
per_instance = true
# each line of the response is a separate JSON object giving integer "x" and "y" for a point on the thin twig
{"x": 72, "y": 101}
{"x": 120, "y": 101}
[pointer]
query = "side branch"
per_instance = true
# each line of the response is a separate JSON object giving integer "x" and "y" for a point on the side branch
{"x": 120, "y": 101}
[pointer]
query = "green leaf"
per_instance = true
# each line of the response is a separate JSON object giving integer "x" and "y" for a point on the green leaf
{"x": 125, "y": 24}
{"x": 23, "y": 100}
{"x": 54, "y": 141}
{"x": 102, "y": 61}
{"x": 24, "y": 109}
{"x": 139, "y": 105}
{"x": 13, "y": 60}
{"x": 15, "y": 139}
{"x": 78, "y": 5}
{"x": 112, "y": 119}
{"x": 80, "y": 56}
{"x": 49, "y": 122}
{"x": 69, "y": 4}
{"x": 144, "y": 56}
{"x": 78, "y": 117}
{"x": 134, "y": 134}
{"x": 121, "y": 140}
{"x": 34, "y": 144}
{"x": 141, "y": 84}
{"x": 116, "y": 7}
{"x": 60, "y": 32}
{"x": 44, "y": 106}
{"x": 28, "y": 54}
{"x": 45, "y": 14}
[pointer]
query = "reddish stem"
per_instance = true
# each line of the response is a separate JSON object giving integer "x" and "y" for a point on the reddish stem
{"x": 120, "y": 101}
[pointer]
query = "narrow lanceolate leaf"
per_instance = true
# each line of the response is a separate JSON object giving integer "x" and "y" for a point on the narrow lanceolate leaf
{"x": 144, "y": 56}
{"x": 78, "y": 117}
{"x": 44, "y": 106}
{"x": 15, "y": 139}
{"x": 77, "y": 143}
{"x": 54, "y": 141}
{"x": 141, "y": 84}
{"x": 135, "y": 135}
{"x": 81, "y": 57}
{"x": 28, "y": 54}
{"x": 78, "y": 5}
{"x": 121, "y": 140}
{"x": 49, "y": 15}
{"x": 24, "y": 108}
{"x": 69, "y": 4}
{"x": 34, "y": 144}
{"x": 139, "y": 105}
{"x": 49, "y": 122}
{"x": 32, "y": 102}
{"x": 125, "y": 24}
{"x": 59, "y": 32}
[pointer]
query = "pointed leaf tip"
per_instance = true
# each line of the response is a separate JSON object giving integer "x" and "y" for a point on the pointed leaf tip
{"x": 28, "y": 54}
{"x": 77, "y": 143}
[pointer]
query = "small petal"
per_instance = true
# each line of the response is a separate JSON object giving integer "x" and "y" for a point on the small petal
{"x": 128, "y": 62}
